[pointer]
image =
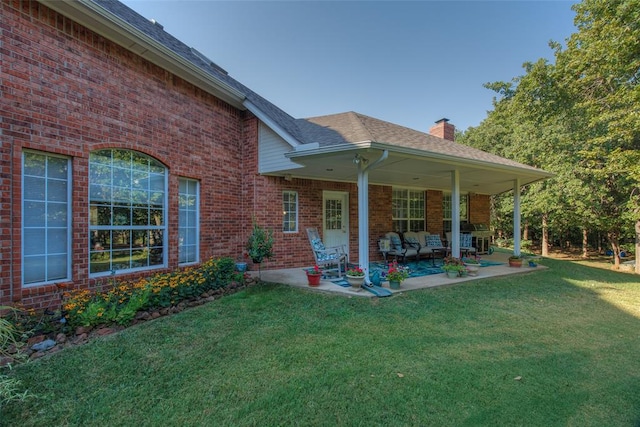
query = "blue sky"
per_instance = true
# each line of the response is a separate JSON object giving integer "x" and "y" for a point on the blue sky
{"x": 410, "y": 63}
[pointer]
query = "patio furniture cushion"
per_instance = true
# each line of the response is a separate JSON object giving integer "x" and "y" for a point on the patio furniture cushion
{"x": 396, "y": 243}
{"x": 433, "y": 240}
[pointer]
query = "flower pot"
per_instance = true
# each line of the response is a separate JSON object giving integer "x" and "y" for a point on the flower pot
{"x": 314, "y": 279}
{"x": 532, "y": 264}
{"x": 452, "y": 274}
{"x": 394, "y": 284}
{"x": 355, "y": 281}
{"x": 472, "y": 269}
{"x": 515, "y": 263}
{"x": 241, "y": 267}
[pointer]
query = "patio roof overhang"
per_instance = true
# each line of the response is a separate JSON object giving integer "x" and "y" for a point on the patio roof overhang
{"x": 411, "y": 167}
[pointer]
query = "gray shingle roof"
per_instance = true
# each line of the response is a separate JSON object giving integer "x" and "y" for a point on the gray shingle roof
{"x": 353, "y": 127}
{"x": 157, "y": 33}
{"x": 327, "y": 131}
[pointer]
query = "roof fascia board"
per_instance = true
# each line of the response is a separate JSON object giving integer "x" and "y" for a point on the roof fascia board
{"x": 272, "y": 124}
{"x": 121, "y": 32}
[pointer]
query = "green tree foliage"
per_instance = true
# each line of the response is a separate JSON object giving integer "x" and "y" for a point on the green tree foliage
{"x": 580, "y": 119}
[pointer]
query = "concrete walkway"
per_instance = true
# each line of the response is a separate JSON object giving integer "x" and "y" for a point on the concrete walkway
{"x": 297, "y": 277}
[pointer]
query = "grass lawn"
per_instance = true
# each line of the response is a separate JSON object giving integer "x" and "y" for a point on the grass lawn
{"x": 554, "y": 347}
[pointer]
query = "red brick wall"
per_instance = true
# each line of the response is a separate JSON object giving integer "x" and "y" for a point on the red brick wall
{"x": 67, "y": 90}
{"x": 479, "y": 208}
{"x": 434, "y": 212}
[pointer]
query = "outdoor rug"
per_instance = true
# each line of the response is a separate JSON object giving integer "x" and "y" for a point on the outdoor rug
{"x": 423, "y": 267}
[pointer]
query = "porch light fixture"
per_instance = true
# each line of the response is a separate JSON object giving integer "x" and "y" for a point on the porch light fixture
{"x": 358, "y": 158}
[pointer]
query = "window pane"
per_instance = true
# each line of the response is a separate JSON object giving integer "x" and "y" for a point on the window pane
{"x": 34, "y": 241}
{"x": 56, "y": 267}
{"x": 34, "y": 214}
{"x": 57, "y": 191}
{"x": 123, "y": 214}
{"x": 57, "y": 215}
{"x": 34, "y": 188}
{"x": 34, "y": 269}
{"x": 57, "y": 241}
{"x": 188, "y": 221}
{"x": 46, "y": 218}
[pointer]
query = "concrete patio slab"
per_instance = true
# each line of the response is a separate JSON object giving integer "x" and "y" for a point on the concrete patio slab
{"x": 297, "y": 277}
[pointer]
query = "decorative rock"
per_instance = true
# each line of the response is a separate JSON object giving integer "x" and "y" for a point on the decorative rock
{"x": 82, "y": 330}
{"x": 164, "y": 311}
{"x": 61, "y": 338}
{"x": 80, "y": 338}
{"x": 35, "y": 340}
{"x": 155, "y": 315}
{"x": 43, "y": 346}
{"x": 143, "y": 315}
{"x": 105, "y": 331}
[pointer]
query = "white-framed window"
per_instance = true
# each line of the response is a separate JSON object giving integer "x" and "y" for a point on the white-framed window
{"x": 127, "y": 212}
{"x": 46, "y": 218}
{"x": 408, "y": 208}
{"x": 188, "y": 221}
{"x": 446, "y": 210}
{"x": 289, "y": 211}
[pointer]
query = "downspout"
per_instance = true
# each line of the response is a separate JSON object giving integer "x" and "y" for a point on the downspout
{"x": 363, "y": 212}
{"x": 454, "y": 244}
{"x": 516, "y": 216}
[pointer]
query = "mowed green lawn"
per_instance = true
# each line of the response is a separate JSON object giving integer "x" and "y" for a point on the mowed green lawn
{"x": 553, "y": 347}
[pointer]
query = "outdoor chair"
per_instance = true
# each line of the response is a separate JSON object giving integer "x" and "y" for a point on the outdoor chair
{"x": 398, "y": 249}
{"x": 412, "y": 239}
{"x": 466, "y": 245}
{"x": 331, "y": 260}
{"x": 434, "y": 243}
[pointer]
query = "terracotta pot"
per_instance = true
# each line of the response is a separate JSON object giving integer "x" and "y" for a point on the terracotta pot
{"x": 314, "y": 279}
{"x": 515, "y": 263}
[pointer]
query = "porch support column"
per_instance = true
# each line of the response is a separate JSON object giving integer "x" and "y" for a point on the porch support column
{"x": 455, "y": 214}
{"x": 516, "y": 216}
{"x": 363, "y": 211}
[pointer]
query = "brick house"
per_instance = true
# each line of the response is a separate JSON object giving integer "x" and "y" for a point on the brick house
{"x": 125, "y": 150}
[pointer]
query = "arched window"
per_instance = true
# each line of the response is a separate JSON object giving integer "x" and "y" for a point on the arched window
{"x": 127, "y": 212}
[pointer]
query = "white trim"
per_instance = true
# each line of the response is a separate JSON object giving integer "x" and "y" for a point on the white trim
{"x": 271, "y": 124}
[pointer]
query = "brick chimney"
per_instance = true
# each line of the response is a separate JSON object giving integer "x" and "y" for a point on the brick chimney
{"x": 443, "y": 129}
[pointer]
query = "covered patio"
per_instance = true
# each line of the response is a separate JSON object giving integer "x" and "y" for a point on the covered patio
{"x": 296, "y": 277}
{"x": 352, "y": 147}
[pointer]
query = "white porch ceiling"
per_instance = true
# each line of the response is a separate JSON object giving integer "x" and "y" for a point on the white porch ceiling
{"x": 414, "y": 171}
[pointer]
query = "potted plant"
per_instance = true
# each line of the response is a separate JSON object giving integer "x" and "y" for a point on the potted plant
{"x": 515, "y": 261}
{"x": 453, "y": 267}
{"x": 241, "y": 264}
{"x": 314, "y": 275}
{"x": 260, "y": 243}
{"x": 355, "y": 277}
{"x": 395, "y": 276}
{"x": 472, "y": 265}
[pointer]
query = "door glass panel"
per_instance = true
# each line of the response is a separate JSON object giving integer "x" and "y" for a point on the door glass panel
{"x": 333, "y": 214}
